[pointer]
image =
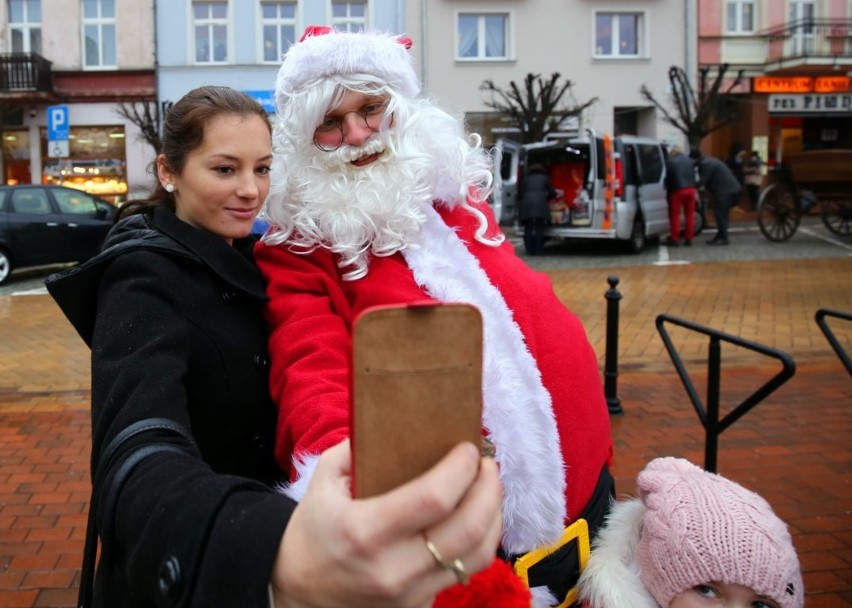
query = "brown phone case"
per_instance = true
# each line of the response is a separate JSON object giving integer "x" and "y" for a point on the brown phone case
{"x": 417, "y": 390}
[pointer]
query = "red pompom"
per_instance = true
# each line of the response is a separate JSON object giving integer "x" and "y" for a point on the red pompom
{"x": 495, "y": 587}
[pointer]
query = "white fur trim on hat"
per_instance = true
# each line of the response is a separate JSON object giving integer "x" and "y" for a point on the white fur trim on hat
{"x": 323, "y": 52}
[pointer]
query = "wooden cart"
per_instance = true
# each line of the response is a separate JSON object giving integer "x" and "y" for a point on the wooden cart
{"x": 822, "y": 177}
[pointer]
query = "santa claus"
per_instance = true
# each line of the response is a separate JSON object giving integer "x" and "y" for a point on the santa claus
{"x": 379, "y": 197}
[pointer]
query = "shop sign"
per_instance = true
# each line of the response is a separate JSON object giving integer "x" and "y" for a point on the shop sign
{"x": 783, "y": 84}
{"x": 811, "y": 104}
{"x": 832, "y": 84}
{"x": 802, "y": 84}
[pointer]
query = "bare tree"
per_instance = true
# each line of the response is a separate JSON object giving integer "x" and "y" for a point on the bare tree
{"x": 537, "y": 107}
{"x": 147, "y": 116}
{"x": 697, "y": 114}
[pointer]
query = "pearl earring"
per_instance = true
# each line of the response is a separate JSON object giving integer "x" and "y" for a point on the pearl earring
{"x": 169, "y": 188}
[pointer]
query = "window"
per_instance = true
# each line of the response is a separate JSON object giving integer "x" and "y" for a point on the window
{"x": 99, "y": 34}
{"x": 740, "y": 16}
{"x": 76, "y": 203}
{"x": 25, "y": 26}
{"x": 96, "y": 162}
{"x": 802, "y": 13}
{"x": 349, "y": 16}
{"x": 210, "y": 28}
{"x": 651, "y": 161}
{"x": 30, "y": 201}
{"x": 482, "y": 36}
{"x": 278, "y": 21}
{"x": 618, "y": 34}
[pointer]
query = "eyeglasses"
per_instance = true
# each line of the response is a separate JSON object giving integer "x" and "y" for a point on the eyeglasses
{"x": 328, "y": 137}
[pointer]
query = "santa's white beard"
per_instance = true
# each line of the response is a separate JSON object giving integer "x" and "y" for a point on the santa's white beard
{"x": 354, "y": 211}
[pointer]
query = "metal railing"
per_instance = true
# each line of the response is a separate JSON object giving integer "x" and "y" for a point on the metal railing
{"x": 810, "y": 38}
{"x": 821, "y": 314}
{"x": 709, "y": 415}
{"x": 25, "y": 72}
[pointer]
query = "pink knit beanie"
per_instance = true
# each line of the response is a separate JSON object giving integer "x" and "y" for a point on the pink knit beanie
{"x": 701, "y": 528}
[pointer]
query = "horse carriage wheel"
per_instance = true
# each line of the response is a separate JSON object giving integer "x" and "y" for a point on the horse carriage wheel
{"x": 778, "y": 213}
{"x": 837, "y": 215}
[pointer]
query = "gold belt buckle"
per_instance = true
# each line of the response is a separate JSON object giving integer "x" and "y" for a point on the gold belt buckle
{"x": 579, "y": 530}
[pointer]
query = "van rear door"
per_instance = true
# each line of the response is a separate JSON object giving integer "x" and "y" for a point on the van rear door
{"x": 505, "y": 196}
{"x": 652, "y": 188}
{"x": 601, "y": 180}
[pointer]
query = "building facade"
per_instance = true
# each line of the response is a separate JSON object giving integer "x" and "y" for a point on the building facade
{"x": 796, "y": 60}
{"x": 609, "y": 50}
{"x": 156, "y": 50}
{"x": 65, "y": 65}
{"x": 609, "y": 53}
{"x": 239, "y": 43}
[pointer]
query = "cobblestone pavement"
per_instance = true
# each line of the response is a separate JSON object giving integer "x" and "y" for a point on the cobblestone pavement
{"x": 793, "y": 448}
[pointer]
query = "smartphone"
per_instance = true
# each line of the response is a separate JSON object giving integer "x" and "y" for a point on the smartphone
{"x": 416, "y": 390}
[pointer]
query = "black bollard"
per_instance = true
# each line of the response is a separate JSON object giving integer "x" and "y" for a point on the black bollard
{"x": 612, "y": 295}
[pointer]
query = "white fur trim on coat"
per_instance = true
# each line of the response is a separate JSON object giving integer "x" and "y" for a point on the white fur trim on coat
{"x": 305, "y": 466}
{"x": 611, "y": 577}
{"x": 518, "y": 415}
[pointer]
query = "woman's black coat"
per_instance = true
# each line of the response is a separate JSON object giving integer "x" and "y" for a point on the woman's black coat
{"x": 173, "y": 317}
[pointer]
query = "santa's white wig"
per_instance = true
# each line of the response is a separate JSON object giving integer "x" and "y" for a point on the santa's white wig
{"x": 319, "y": 199}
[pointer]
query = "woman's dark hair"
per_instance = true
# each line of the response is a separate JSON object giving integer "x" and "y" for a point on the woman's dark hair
{"x": 183, "y": 132}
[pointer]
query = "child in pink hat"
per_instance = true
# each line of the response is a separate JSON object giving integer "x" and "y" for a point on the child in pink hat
{"x": 692, "y": 539}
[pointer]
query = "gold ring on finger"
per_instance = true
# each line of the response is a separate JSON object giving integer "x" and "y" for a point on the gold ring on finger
{"x": 456, "y": 565}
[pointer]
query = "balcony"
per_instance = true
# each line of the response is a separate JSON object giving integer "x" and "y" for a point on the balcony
{"x": 807, "y": 45}
{"x": 25, "y": 78}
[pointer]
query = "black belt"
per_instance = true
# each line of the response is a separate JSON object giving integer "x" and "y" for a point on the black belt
{"x": 558, "y": 567}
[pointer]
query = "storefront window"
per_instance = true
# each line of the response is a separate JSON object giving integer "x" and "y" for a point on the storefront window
{"x": 16, "y": 156}
{"x": 96, "y": 162}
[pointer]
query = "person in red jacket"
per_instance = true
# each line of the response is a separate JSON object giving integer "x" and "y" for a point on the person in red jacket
{"x": 379, "y": 197}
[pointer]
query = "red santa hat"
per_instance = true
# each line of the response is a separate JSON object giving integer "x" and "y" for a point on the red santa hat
{"x": 323, "y": 52}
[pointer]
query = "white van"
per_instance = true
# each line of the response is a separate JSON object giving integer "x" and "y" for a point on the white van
{"x": 613, "y": 187}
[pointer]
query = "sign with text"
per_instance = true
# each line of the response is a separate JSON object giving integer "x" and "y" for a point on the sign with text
{"x": 58, "y": 131}
{"x": 815, "y": 103}
{"x": 783, "y": 84}
{"x": 832, "y": 84}
{"x": 801, "y": 84}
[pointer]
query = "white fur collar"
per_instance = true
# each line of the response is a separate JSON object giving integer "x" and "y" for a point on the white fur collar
{"x": 611, "y": 577}
{"x": 517, "y": 408}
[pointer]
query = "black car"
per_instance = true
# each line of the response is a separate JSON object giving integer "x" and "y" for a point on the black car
{"x": 42, "y": 225}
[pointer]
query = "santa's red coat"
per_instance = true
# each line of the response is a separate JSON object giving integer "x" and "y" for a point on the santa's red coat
{"x": 550, "y": 413}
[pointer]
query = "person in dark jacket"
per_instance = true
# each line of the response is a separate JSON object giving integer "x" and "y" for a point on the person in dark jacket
{"x": 680, "y": 185}
{"x": 184, "y": 502}
{"x": 718, "y": 179}
{"x": 534, "y": 207}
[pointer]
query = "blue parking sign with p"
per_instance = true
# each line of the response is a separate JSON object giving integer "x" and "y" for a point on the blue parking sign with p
{"x": 57, "y": 123}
